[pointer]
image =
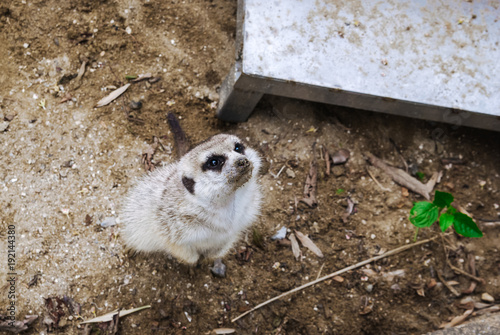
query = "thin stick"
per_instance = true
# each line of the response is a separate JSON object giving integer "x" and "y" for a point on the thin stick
{"x": 320, "y": 269}
{"x": 349, "y": 268}
{"x": 448, "y": 286}
{"x": 376, "y": 181}
{"x": 454, "y": 268}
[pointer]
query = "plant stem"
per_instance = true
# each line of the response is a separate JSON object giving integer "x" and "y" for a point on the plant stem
{"x": 416, "y": 234}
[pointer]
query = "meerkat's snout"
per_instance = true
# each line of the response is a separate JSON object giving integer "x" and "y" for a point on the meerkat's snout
{"x": 242, "y": 171}
{"x": 242, "y": 163}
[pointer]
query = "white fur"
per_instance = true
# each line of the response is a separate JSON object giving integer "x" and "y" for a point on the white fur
{"x": 160, "y": 214}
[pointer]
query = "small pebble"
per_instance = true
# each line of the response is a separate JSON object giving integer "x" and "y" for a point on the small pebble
{"x": 219, "y": 269}
{"x": 3, "y": 125}
{"x": 369, "y": 288}
{"x": 280, "y": 234}
{"x": 290, "y": 173}
{"x": 487, "y": 298}
{"x": 396, "y": 288}
{"x": 135, "y": 105}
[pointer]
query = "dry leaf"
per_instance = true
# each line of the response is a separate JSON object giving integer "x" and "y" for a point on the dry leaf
{"x": 224, "y": 331}
{"x": 338, "y": 279}
{"x": 109, "y": 316}
{"x": 457, "y": 320}
{"x": 6, "y": 324}
{"x": 295, "y": 246}
{"x": 142, "y": 77}
{"x": 112, "y": 96}
{"x": 306, "y": 242}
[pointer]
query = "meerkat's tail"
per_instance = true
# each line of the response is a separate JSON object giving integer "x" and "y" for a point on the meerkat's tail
{"x": 181, "y": 141}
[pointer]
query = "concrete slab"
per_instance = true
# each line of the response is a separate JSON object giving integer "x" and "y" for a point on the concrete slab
{"x": 486, "y": 325}
{"x": 429, "y": 59}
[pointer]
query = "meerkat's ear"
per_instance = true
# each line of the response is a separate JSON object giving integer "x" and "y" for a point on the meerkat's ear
{"x": 188, "y": 184}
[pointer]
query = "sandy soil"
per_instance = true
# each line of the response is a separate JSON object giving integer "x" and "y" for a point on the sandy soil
{"x": 65, "y": 167}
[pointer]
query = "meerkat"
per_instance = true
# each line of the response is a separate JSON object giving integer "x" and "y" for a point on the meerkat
{"x": 197, "y": 206}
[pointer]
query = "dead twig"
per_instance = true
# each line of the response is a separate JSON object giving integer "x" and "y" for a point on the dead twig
{"x": 404, "y": 179}
{"x": 327, "y": 161}
{"x": 455, "y": 269}
{"x": 448, "y": 286}
{"x": 311, "y": 182}
{"x": 457, "y": 320}
{"x": 386, "y": 189}
{"x": 349, "y": 268}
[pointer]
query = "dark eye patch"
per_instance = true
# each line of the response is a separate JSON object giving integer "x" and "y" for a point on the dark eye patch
{"x": 214, "y": 163}
{"x": 240, "y": 148}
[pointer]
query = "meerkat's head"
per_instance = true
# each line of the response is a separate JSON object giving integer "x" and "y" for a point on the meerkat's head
{"x": 218, "y": 166}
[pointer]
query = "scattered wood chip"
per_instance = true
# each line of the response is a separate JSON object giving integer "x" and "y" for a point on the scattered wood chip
{"x": 338, "y": 279}
{"x": 154, "y": 80}
{"x": 404, "y": 179}
{"x": 112, "y": 96}
{"x": 295, "y": 247}
{"x": 309, "y": 244}
{"x": 148, "y": 155}
{"x": 224, "y": 331}
{"x": 331, "y": 275}
{"x": 487, "y": 297}
{"x": 142, "y": 77}
{"x": 311, "y": 182}
{"x": 79, "y": 77}
{"x": 341, "y": 156}
{"x": 67, "y": 97}
{"x": 349, "y": 210}
{"x": 366, "y": 306}
{"x": 109, "y": 316}
{"x": 457, "y": 320}
{"x": 327, "y": 161}
{"x": 492, "y": 309}
{"x": 471, "y": 261}
{"x": 88, "y": 220}
{"x": 6, "y": 324}
{"x": 113, "y": 327}
{"x": 449, "y": 287}
{"x": 385, "y": 189}
{"x": 404, "y": 192}
{"x": 432, "y": 283}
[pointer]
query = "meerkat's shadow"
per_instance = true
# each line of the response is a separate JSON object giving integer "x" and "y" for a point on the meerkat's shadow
{"x": 168, "y": 263}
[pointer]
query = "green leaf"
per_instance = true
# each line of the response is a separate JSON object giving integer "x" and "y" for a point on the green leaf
{"x": 130, "y": 76}
{"x": 424, "y": 214}
{"x": 465, "y": 226}
{"x": 442, "y": 199}
{"x": 340, "y": 191}
{"x": 445, "y": 221}
{"x": 420, "y": 176}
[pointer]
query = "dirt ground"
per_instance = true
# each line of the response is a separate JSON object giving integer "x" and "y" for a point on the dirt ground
{"x": 65, "y": 167}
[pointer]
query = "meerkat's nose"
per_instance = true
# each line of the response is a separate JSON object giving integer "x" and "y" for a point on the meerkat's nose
{"x": 242, "y": 162}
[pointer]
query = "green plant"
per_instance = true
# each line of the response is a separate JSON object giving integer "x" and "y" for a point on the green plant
{"x": 424, "y": 214}
{"x": 420, "y": 176}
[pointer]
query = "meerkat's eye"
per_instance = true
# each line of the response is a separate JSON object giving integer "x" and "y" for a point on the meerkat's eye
{"x": 240, "y": 148}
{"x": 214, "y": 163}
